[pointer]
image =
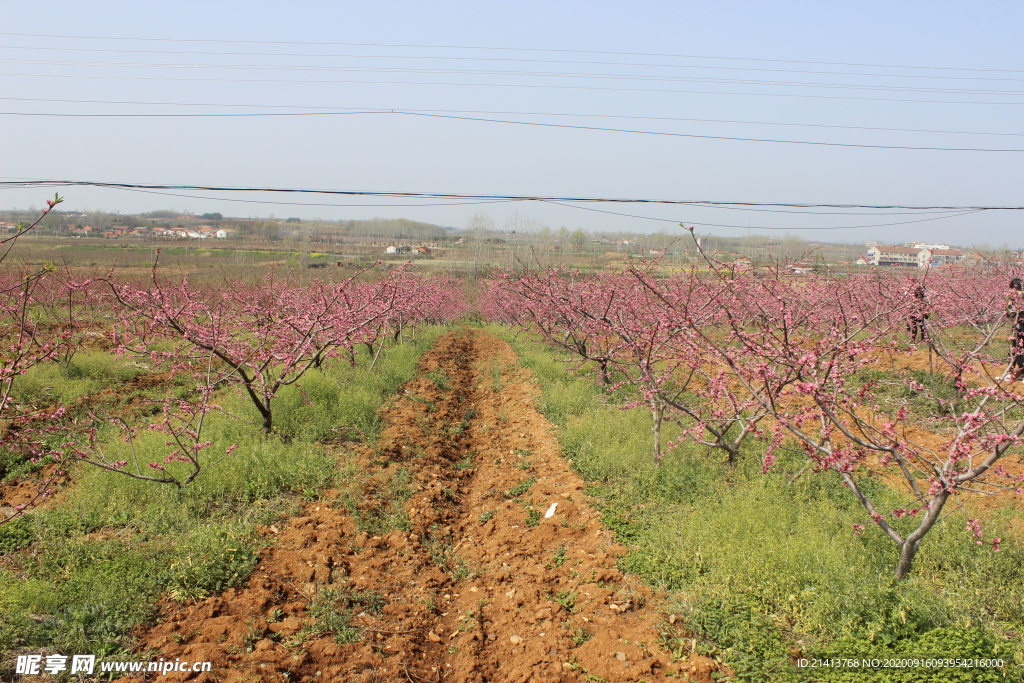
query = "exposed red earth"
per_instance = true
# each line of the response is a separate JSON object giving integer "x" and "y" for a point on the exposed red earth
{"x": 484, "y": 586}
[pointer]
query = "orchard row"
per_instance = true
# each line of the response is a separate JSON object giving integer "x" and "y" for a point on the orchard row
{"x": 885, "y": 376}
{"x": 256, "y": 336}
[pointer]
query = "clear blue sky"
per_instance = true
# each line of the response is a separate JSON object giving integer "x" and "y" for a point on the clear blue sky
{"x": 773, "y": 56}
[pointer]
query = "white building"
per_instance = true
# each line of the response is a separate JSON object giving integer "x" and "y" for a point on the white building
{"x": 887, "y": 255}
{"x": 925, "y": 245}
{"x": 941, "y": 257}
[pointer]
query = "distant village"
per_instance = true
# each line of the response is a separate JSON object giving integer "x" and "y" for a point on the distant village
{"x": 198, "y": 233}
{"x": 116, "y": 231}
{"x": 404, "y": 238}
{"x": 917, "y": 255}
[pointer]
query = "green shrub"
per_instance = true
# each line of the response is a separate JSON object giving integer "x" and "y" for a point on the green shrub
{"x": 971, "y": 643}
{"x": 333, "y": 609}
{"x": 83, "y": 595}
{"x": 210, "y": 560}
{"x": 16, "y": 534}
{"x": 737, "y": 630}
{"x": 59, "y": 523}
{"x": 15, "y": 465}
{"x": 261, "y": 469}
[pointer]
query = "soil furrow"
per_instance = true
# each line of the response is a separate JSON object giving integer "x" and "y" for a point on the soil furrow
{"x": 463, "y": 549}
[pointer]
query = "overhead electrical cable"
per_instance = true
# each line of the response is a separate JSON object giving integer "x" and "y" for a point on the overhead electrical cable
{"x": 521, "y": 74}
{"x": 504, "y": 49}
{"x": 507, "y": 113}
{"x": 262, "y": 201}
{"x": 759, "y": 227}
{"x": 541, "y": 86}
{"x": 520, "y": 123}
{"x": 474, "y": 196}
{"x": 567, "y": 202}
{"x": 509, "y": 59}
{"x": 709, "y": 137}
{"x": 916, "y": 212}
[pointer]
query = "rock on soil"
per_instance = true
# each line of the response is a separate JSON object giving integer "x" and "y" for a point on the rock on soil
{"x": 480, "y": 586}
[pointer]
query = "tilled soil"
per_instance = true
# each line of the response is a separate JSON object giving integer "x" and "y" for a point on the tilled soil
{"x": 485, "y": 586}
{"x": 33, "y": 492}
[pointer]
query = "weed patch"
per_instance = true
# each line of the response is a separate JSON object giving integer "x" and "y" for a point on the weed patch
{"x": 558, "y": 558}
{"x": 16, "y": 535}
{"x": 521, "y": 488}
{"x": 333, "y": 609}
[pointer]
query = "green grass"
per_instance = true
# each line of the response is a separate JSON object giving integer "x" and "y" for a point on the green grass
{"x": 487, "y": 516}
{"x": 762, "y": 568}
{"x": 333, "y": 609}
{"x": 16, "y": 534}
{"x": 521, "y": 488}
{"x": 340, "y": 401}
{"x": 90, "y": 380}
{"x": 100, "y": 560}
{"x": 558, "y": 558}
{"x": 88, "y": 372}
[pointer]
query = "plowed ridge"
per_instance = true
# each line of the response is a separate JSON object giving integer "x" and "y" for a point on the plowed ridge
{"x": 485, "y": 586}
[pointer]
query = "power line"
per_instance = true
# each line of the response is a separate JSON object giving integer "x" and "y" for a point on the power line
{"x": 541, "y": 86}
{"x": 761, "y": 227}
{"x": 259, "y": 201}
{"x": 507, "y": 49}
{"x": 499, "y": 201}
{"x": 711, "y": 137}
{"x": 515, "y": 74}
{"x": 818, "y": 213}
{"x": 507, "y": 113}
{"x": 521, "y": 123}
{"x": 502, "y": 59}
{"x": 492, "y": 72}
{"x": 456, "y": 195}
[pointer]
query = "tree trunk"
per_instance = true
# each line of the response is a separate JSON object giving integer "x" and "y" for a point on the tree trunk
{"x": 733, "y": 451}
{"x": 908, "y": 550}
{"x": 657, "y": 415}
{"x": 907, "y": 553}
{"x": 262, "y": 407}
{"x": 268, "y": 419}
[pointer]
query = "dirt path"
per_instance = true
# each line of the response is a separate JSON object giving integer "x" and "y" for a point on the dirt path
{"x": 485, "y": 585}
